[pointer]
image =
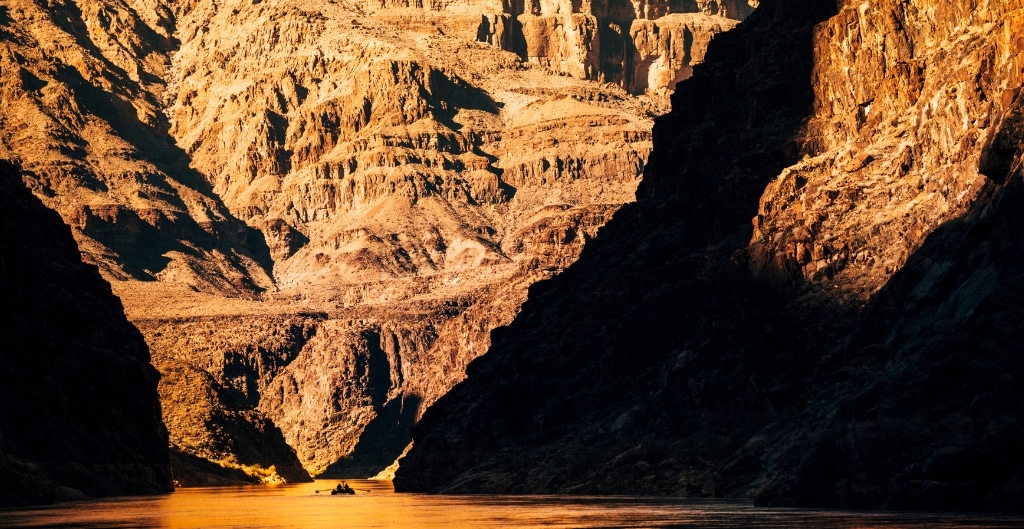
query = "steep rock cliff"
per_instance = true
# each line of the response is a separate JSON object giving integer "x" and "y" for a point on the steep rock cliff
{"x": 82, "y": 111}
{"x": 209, "y": 395}
{"x": 645, "y": 47}
{"x": 400, "y": 178}
{"x": 79, "y": 413}
{"x": 255, "y": 177}
{"x": 851, "y": 347}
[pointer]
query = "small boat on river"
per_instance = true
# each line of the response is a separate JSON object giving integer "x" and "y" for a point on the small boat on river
{"x": 342, "y": 488}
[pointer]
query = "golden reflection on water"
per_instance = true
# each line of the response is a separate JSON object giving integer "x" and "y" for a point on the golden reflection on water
{"x": 376, "y": 505}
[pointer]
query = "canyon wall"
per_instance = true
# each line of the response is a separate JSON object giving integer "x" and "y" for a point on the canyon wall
{"x": 79, "y": 413}
{"x": 645, "y": 47}
{"x": 811, "y": 301}
{"x": 409, "y": 185}
{"x": 82, "y": 111}
{"x": 316, "y": 216}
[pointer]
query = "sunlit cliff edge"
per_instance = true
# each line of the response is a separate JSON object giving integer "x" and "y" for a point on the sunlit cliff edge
{"x": 316, "y": 215}
{"x": 814, "y": 301}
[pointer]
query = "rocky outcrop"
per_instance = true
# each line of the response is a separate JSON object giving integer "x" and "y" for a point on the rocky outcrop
{"x": 79, "y": 414}
{"x": 644, "y": 55}
{"x": 876, "y": 133}
{"x": 851, "y": 348}
{"x": 402, "y": 170}
{"x": 83, "y": 113}
{"x": 223, "y": 363}
{"x": 234, "y": 167}
{"x": 668, "y": 48}
{"x": 645, "y": 47}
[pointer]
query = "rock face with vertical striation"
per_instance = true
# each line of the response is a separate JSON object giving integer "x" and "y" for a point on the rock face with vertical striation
{"x": 316, "y": 215}
{"x": 79, "y": 413}
{"x": 668, "y": 48}
{"x": 610, "y": 41}
{"x": 811, "y": 301}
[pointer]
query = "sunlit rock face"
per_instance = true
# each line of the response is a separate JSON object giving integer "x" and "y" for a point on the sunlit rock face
{"x": 644, "y": 47}
{"x": 79, "y": 414}
{"x": 610, "y": 41}
{"x": 810, "y": 303}
{"x": 316, "y": 215}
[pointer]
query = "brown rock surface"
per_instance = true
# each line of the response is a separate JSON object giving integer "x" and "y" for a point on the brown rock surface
{"x": 316, "y": 216}
{"x": 898, "y": 145}
{"x": 857, "y": 346}
{"x": 668, "y": 48}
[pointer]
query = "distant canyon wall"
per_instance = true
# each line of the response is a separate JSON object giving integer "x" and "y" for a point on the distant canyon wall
{"x": 388, "y": 177}
{"x": 335, "y": 392}
{"x": 389, "y": 181}
{"x": 645, "y": 47}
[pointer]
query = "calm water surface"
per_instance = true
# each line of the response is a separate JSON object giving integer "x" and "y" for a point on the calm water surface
{"x": 376, "y": 505}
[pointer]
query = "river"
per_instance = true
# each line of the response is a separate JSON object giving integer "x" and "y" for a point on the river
{"x": 310, "y": 506}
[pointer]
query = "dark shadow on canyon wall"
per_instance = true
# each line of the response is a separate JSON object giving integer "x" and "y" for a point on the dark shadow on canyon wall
{"x": 79, "y": 410}
{"x": 192, "y": 471}
{"x": 377, "y": 368}
{"x": 923, "y": 406}
{"x": 381, "y": 442}
{"x": 256, "y": 440}
{"x": 658, "y": 333}
{"x": 657, "y": 364}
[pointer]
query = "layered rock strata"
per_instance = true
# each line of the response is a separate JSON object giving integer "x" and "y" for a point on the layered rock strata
{"x": 358, "y": 191}
{"x": 406, "y": 193}
{"x": 809, "y": 304}
{"x": 645, "y": 47}
{"x": 82, "y": 111}
{"x": 79, "y": 413}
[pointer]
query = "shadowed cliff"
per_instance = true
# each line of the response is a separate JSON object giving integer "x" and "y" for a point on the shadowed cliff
{"x": 79, "y": 413}
{"x": 378, "y": 165}
{"x": 855, "y": 349}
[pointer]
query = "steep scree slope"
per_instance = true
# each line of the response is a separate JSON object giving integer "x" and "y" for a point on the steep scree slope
{"x": 79, "y": 413}
{"x": 813, "y": 300}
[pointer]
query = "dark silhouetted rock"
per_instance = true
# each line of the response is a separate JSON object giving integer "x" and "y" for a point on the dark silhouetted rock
{"x": 79, "y": 413}
{"x": 858, "y": 348}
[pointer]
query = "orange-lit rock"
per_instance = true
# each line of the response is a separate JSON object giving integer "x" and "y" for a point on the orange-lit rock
{"x": 391, "y": 175}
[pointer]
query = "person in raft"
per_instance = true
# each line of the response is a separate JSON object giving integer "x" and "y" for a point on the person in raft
{"x": 343, "y": 488}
